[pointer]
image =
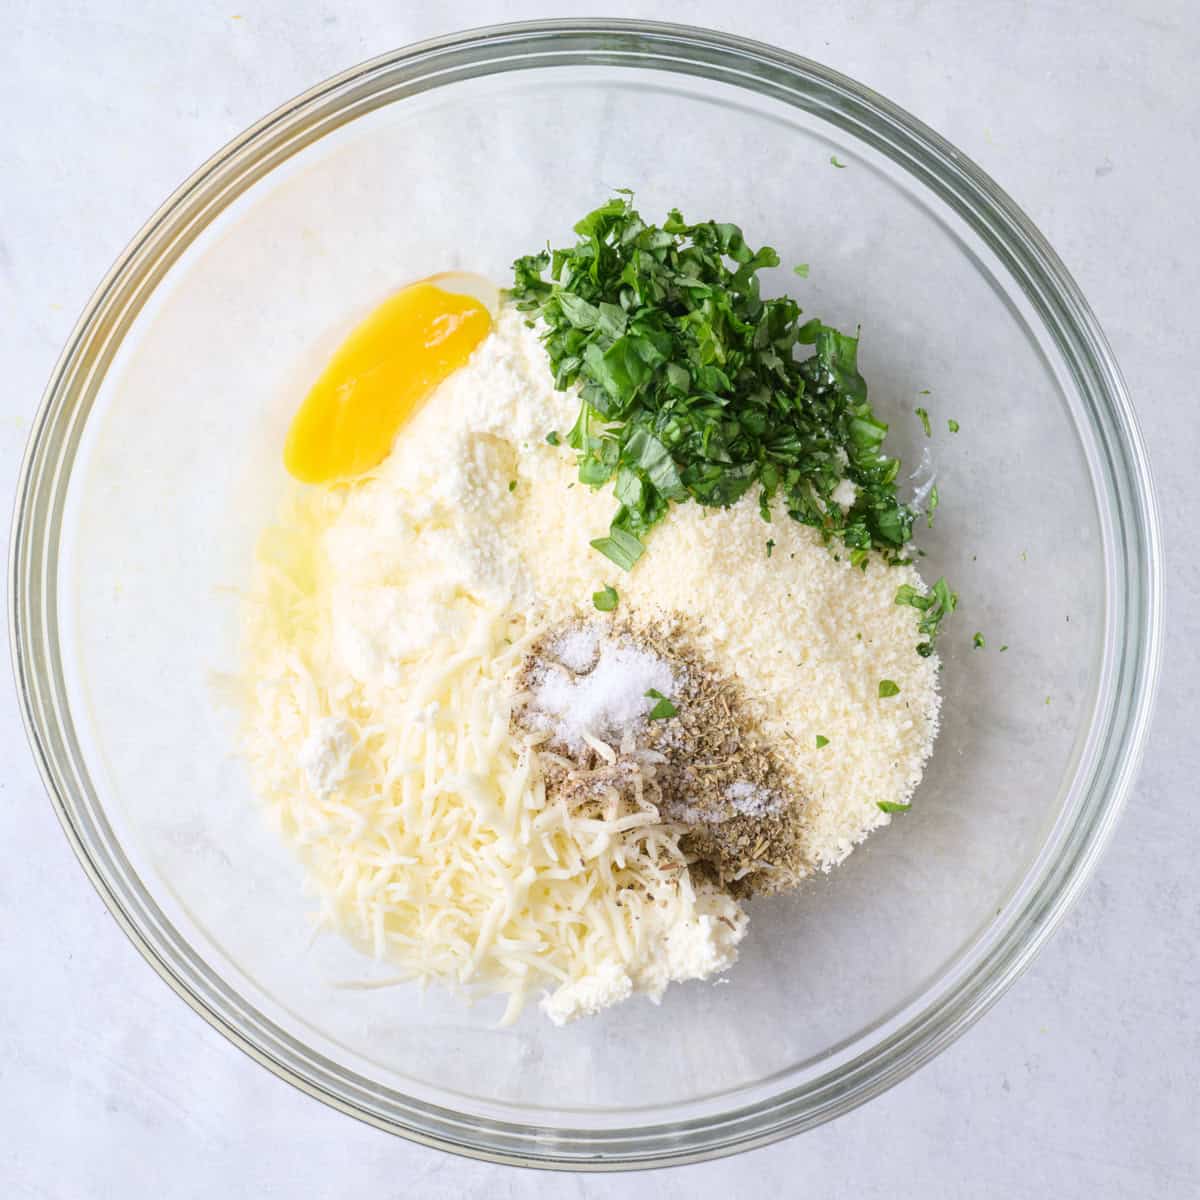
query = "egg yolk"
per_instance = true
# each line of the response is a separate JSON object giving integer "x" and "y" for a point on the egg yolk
{"x": 378, "y": 378}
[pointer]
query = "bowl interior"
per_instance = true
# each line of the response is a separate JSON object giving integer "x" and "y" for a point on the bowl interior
{"x": 179, "y": 469}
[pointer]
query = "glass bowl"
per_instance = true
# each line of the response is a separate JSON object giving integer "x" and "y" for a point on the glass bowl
{"x": 155, "y": 461}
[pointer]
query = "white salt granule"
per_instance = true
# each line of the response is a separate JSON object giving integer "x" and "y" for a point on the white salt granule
{"x": 752, "y": 799}
{"x": 577, "y": 648}
{"x": 610, "y": 700}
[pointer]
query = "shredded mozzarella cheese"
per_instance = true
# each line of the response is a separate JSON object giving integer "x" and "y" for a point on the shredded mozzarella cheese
{"x": 424, "y": 826}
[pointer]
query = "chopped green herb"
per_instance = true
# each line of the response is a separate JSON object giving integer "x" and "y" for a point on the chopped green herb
{"x": 833, "y": 158}
{"x": 978, "y": 640}
{"x": 923, "y": 413}
{"x": 692, "y": 388}
{"x": 512, "y": 485}
{"x": 890, "y": 806}
{"x": 770, "y": 546}
{"x": 924, "y": 392}
{"x": 801, "y": 270}
{"x": 934, "y": 608}
{"x": 1002, "y": 649}
{"x": 934, "y": 501}
{"x": 1047, "y": 699}
{"x": 1024, "y": 556}
{"x": 888, "y": 687}
{"x": 553, "y": 438}
{"x": 822, "y": 741}
{"x": 953, "y": 424}
{"x": 620, "y": 546}
{"x": 663, "y": 707}
{"x": 606, "y": 599}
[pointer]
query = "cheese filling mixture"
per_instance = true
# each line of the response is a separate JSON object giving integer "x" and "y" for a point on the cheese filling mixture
{"x": 511, "y": 767}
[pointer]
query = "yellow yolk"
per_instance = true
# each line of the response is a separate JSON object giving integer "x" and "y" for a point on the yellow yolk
{"x": 378, "y": 378}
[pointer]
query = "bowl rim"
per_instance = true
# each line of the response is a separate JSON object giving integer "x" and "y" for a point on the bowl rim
{"x": 1133, "y": 622}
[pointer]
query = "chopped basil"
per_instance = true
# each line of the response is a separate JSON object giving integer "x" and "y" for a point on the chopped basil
{"x": 934, "y": 608}
{"x": 512, "y": 485}
{"x": 692, "y": 385}
{"x": 833, "y": 158}
{"x": 620, "y": 546}
{"x": 953, "y": 425}
{"x": 923, "y": 413}
{"x": 978, "y": 640}
{"x": 801, "y": 270}
{"x": 888, "y": 687}
{"x": 890, "y": 806}
{"x": 770, "y": 546}
{"x": 606, "y": 599}
{"x": 663, "y": 707}
{"x": 822, "y": 741}
{"x": 553, "y": 438}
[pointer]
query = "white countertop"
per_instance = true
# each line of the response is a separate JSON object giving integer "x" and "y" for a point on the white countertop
{"x": 1084, "y": 1080}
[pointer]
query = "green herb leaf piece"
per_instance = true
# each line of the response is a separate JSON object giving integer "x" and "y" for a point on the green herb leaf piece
{"x": 620, "y": 546}
{"x": 553, "y": 438}
{"x": 953, "y": 425}
{"x": 512, "y": 485}
{"x": 822, "y": 741}
{"x": 890, "y": 806}
{"x": 888, "y": 687}
{"x": 663, "y": 707}
{"x": 978, "y": 640}
{"x": 833, "y": 158}
{"x": 606, "y": 599}
{"x": 770, "y": 546}
{"x": 801, "y": 269}
{"x": 934, "y": 608}
{"x": 923, "y": 413}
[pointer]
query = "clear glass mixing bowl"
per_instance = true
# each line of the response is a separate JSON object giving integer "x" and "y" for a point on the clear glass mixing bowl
{"x": 156, "y": 460}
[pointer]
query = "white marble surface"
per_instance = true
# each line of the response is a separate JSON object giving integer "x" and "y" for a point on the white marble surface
{"x": 1084, "y": 1081}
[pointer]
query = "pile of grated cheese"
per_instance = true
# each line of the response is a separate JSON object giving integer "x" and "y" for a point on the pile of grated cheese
{"x": 809, "y": 637}
{"x": 385, "y": 626}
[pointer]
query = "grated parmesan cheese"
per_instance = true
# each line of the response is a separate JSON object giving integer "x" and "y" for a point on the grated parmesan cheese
{"x": 808, "y": 636}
